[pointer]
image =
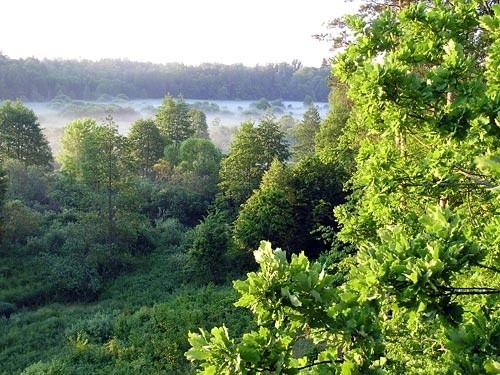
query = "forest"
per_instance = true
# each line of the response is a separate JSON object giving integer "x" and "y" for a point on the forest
{"x": 367, "y": 242}
{"x": 36, "y": 80}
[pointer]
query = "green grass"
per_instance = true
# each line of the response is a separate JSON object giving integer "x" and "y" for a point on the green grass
{"x": 139, "y": 324}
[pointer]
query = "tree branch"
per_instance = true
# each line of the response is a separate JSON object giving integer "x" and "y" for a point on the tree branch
{"x": 318, "y": 363}
{"x": 476, "y": 177}
{"x": 486, "y": 267}
{"x": 468, "y": 291}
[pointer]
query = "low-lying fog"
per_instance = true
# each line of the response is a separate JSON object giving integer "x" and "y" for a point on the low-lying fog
{"x": 223, "y": 116}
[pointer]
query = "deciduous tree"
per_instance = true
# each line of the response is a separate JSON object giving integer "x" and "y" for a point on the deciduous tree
{"x": 268, "y": 213}
{"x": 100, "y": 158}
{"x": 423, "y": 291}
{"x": 242, "y": 169}
{"x": 250, "y": 155}
{"x": 21, "y": 137}
{"x": 147, "y": 145}
{"x": 174, "y": 121}
{"x": 199, "y": 123}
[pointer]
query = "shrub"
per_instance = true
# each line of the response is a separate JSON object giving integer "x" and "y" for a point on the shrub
{"x": 7, "y": 309}
{"x": 211, "y": 241}
{"x": 169, "y": 233}
{"x": 54, "y": 367}
{"x": 98, "y": 328}
{"x": 20, "y": 222}
{"x": 72, "y": 278}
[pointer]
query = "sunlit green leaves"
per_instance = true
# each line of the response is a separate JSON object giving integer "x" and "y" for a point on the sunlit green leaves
{"x": 422, "y": 294}
{"x": 21, "y": 137}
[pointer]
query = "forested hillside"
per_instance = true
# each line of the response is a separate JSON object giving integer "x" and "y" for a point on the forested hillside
{"x": 364, "y": 243}
{"x": 109, "y": 261}
{"x": 41, "y": 80}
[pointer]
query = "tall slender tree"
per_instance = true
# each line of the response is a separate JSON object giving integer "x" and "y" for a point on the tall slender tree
{"x": 305, "y": 133}
{"x": 199, "y": 123}
{"x": 272, "y": 140}
{"x": 242, "y": 169}
{"x": 147, "y": 145}
{"x": 96, "y": 156}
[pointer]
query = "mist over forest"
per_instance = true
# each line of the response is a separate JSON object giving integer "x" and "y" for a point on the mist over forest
{"x": 223, "y": 117}
{"x": 63, "y": 90}
{"x": 220, "y": 219}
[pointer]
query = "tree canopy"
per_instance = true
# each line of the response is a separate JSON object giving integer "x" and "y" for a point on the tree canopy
{"x": 305, "y": 132}
{"x": 173, "y": 121}
{"x": 147, "y": 144}
{"x": 422, "y": 292}
{"x": 21, "y": 137}
{"x": 250, "y": 155}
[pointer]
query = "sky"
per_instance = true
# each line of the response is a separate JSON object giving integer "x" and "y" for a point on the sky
{"x": 161, "y": 31}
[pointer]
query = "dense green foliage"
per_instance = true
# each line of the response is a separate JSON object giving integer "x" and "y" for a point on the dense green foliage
{"x": 108, "y": 261}
{"x": 384, "y": 224}
{"x": 250, "y": 155}
{"x": 96, "y": 272}
{"x": 293, "y": 207}
{"x": 305, "y": 133}
{"x": 173, "y": 121}
{"x": 21, "y": 137}
{"x": 147, "y": 145}
{"x": 422, "y": 291}
{"x": 42, "y": 80}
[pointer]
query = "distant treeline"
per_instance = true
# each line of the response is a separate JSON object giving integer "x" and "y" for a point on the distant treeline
{"x": 41, "y": 80}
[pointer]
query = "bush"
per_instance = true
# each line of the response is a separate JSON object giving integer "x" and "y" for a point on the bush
{"x": 60, "y": 238}
{"x": 262, "y": 104}
{"x": 72, "y": 278}
{"x": 7, "y": 309}
{"x": 211, "y": 241}
{"x": 29, "y": 184}
{"x": 183, "y": 203}
{"x": 169, "y": 233}
{"x": 20, "y": 222}
{"x": 54, "y": 367}
{"x": 98, "y": 328}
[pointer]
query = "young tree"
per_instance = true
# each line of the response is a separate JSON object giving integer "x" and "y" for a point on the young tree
{"x": 268, "y": 213}
{"x": 99, "y": 158}
{"x": 272, "y": 140}
{"x": 21, "y": 137}
{"x": 250, "y": 155}
{"x": 73, "y": 157}
{"x": 199, "y": 123}
{"x": 242, "y": 169}
{"x": 174, "y": 121}
{"x": 293, "y": 207}
{"x": 199, "y": 156}
{"x": 305, "y": 132}
{"x": 147, "y": 145}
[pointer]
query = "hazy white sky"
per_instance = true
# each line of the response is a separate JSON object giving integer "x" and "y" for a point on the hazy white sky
{"x": 160, "y": 31}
